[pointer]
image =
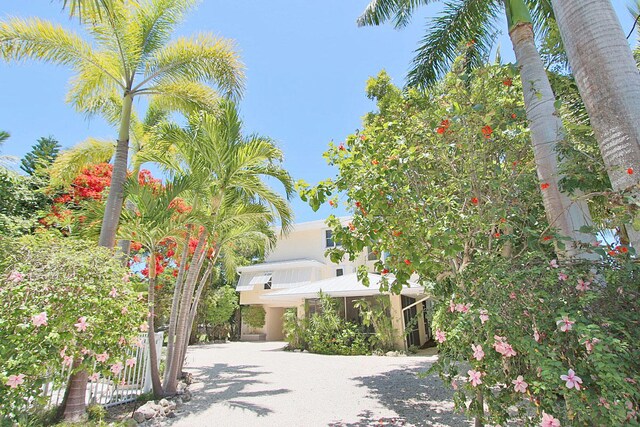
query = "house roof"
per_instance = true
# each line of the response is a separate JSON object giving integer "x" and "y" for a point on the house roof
{"x": 280, "y": 278}
{"x": 280, "y": 265}
{"x": 347, "y": 285}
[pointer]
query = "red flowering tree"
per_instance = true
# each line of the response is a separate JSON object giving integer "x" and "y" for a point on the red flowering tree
{"x": 445, "y": 185}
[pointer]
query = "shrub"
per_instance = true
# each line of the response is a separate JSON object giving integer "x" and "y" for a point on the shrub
{"x": 525, "y": 326}
{"x": 254, "y": 315}
{"x": 294, "y": 329}
{"x": 62, "y": 300}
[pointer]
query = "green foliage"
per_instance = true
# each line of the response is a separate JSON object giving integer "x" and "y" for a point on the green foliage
{"x": 50, "y": 288}
{"x": 96, "y": 412}
{"x": 328, "y": 333}
{"x": 449, "y": 174}
{"x": 254, "y": 315}
{"x": 220, "y": 305}
{"x": 376, "y": 315}
{"x": 294, "y": 329}
{"x": 525, "y": 302}
{"x": 21, "y": 202}
{"x": 42, "y": 154}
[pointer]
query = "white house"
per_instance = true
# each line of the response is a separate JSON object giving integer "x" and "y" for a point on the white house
{"x": 297, "y": 270}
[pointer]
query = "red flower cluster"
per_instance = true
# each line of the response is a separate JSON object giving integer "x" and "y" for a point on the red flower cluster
{"x": 507, "y": 82}
{"x": 92, "y": 181}
{"x": 180, "y": 206}
{"x": 544, "y": 185}
{"x": 444, "y": 126}
{"x": 618, "y": 250}
{"x": 487, "y": 131}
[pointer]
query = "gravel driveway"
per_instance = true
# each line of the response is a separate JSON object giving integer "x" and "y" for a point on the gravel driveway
{"x": 258, "y": 384}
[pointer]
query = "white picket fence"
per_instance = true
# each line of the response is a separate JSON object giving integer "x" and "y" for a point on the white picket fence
{"x": 114, "y": 389}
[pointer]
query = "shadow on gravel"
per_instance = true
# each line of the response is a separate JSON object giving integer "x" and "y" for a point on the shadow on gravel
{"x": 417, "y": 401}
{"x": 226, "y": 384}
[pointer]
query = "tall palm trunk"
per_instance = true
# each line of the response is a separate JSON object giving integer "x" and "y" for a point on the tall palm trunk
{"x": 193, "y": 310}
{"x": 151, "y": 336}
{"x": 115, "y": 198}
{"x": 546, "y": 129}
{"x": 183, "y": 312}
{"x": 607, "y": 77}
{"x": 171, "y": 333}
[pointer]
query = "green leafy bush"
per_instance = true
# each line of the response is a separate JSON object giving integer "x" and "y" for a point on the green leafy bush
{"x": 524, "y": 326}
{"x": 294, "y": 329}
{"x": 254, "y": 315}
{"x": 63, "y": 300}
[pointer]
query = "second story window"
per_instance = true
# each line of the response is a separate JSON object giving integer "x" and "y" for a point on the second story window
{"x": 328, "y": 239}
{"x": 339, "y": 272}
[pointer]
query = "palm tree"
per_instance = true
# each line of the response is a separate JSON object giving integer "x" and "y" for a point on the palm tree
{"x": 151, "y": 221}
{"x": 213, "y": 150}
{"x": 607, "y": 77}
{"x": 473, "y": 22}
{"x": 133, "y": 58}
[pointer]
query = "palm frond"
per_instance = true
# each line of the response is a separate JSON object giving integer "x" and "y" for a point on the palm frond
{"x": 199, "y": 58}
{"x": 462, "y": 22}
{"x": 185, "y": 96}
{"x": 33, "y": 38}
{"x": 400, "y": 11}
{"x": 69, "y": 163}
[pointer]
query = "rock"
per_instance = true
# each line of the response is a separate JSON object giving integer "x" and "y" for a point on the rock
{"x": 163, "y": 402}
{"x": 138, "y": 417}
{"x": 186, "y": 396}
{"x": 147, "y": 411}
{"x": 171, "y": 415}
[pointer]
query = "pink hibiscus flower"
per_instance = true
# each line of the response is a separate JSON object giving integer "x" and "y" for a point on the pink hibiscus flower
{"x": 15, "y": 277}
{"x": 82, "y": 324}
{"x": 131, "y": 362}
{"x": 15, "y": 380}
{"x": 440, "y": 336}
{"x": 475, "y": 377}
{"x": 144, "y": 327}
{"x": 572, "y": 380}
{"x": 553, "y": 263}
{"x": 562, "y": 277}
{"x": 39, "y": 319}
{"x": 549, "y": 421}
{"x": 102, "y": 357}
{"x": 477, "y": 351}
{"x": 565, "y": 324}
{"x": 519, "y": 384}
{"x": 484, "y": 316}
{"x": 113, "y": 293}
{"x": 582, "y": 285}
{"x": 94, "y": 377}
{"x": 116, "y": 368}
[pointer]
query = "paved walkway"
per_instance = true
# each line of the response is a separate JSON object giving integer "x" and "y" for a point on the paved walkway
{"x": 258, "y": 384}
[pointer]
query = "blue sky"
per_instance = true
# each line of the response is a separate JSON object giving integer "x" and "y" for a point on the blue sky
{"x": 307, "y": 64}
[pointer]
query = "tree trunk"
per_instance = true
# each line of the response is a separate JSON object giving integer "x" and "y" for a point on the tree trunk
{"x": 607, "y": 77}
{"x": 192, "y": 314}
{"x": 546, "y": 131}
{"x": 115, "y": 198}
{"x": 151, "y": 336}
{"x": 183, "y": 311}
{"x": 73, "y": 406}
{"x": 171, "y": 333}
